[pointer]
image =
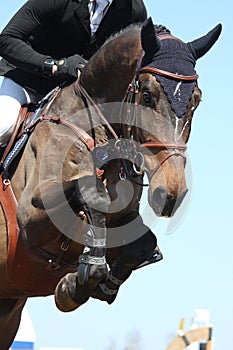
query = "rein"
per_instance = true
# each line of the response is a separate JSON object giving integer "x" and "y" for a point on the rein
{"x": 91, "y": 102}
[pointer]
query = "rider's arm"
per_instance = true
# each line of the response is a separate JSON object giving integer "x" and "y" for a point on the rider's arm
{"x": 15, "y": 37}
{"x": 139, "y": 12}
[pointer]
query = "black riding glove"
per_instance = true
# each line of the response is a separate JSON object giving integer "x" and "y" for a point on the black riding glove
{"x": 67, "y": 68}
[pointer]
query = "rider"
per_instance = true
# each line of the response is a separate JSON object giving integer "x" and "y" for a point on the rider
{"x": 47, "y": 42}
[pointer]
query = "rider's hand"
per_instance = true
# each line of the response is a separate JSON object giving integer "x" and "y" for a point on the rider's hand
{"x": 69, "y": 67}
{"x": 65, "y": 68}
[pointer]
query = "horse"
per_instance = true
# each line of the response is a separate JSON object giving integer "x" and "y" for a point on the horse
{"x": 69, "y": 219}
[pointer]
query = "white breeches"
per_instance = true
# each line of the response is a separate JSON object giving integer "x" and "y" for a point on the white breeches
{"x": 12, "y": 96}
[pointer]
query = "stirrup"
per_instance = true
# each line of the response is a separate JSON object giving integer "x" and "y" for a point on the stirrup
{"x": 156, "y": 257}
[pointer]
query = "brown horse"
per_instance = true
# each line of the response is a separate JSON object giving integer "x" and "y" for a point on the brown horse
{"x": 78, "y": 183}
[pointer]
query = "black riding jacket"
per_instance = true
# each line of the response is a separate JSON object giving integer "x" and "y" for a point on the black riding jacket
{"x": 57, "y": 28}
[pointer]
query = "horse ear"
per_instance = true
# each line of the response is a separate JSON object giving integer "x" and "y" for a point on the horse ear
{"x": 201, "y": 46}
{"x": 149, "y": 40}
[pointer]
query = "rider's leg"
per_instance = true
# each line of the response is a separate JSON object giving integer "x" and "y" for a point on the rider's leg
{"x": 12, "y": 96}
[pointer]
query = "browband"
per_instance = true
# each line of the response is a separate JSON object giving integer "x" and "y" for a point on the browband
{"x": 170, "y": 75}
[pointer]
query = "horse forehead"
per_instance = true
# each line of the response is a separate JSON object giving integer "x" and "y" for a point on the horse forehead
{"x": 174, "y": 56}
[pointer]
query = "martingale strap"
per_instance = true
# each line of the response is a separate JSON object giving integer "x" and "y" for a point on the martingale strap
{"x": 82, "y": 135}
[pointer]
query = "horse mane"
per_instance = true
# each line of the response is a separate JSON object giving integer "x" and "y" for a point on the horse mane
{"x": 159, "y": 28}
{"x": 106, "y": 57}
{"x": 122, "y": 31}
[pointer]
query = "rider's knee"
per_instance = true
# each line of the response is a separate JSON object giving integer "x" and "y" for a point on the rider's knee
{"x": 9, "y": 110}
{"x": 12, "y": 97}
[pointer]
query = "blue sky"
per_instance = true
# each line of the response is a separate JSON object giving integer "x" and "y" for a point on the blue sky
{"x": 197, "y": 270}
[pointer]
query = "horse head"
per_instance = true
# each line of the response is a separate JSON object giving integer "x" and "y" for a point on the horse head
{"x": 168, "y": 95}
{"x": 159, "y": 71}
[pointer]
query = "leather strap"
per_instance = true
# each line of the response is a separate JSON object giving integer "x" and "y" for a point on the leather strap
{"x": 9, "y": 206}
{"x": 168, "y": 36}
{"x": 91, "y": 103}
{"x": 83, "y": 135}
{"x": 153, "y": 70}
{"x": 160, "y": 145}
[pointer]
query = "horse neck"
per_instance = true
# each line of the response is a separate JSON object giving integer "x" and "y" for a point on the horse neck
{"x": 109, "y": 72}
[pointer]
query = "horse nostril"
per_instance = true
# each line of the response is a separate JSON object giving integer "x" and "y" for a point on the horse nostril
{"x": 160, "y": 196}
{"x": 163, "y": 202}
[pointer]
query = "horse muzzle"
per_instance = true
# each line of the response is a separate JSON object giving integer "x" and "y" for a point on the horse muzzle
{"x": 165, "y": 204}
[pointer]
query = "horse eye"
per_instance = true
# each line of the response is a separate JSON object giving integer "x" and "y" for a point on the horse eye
{"x": 147, "y": 97}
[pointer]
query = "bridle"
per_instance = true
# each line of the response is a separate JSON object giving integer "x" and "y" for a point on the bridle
{"x": 164, "y": 73}
{"x": 131, "y": 95}
{"x": 133, "y": 89}
{"x": 175, "y": 150}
